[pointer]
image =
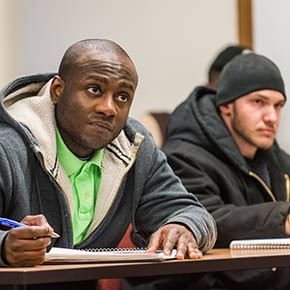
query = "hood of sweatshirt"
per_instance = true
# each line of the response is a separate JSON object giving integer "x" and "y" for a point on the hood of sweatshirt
{"x": 197, "y": 121}
{"x": 17, "y": 90}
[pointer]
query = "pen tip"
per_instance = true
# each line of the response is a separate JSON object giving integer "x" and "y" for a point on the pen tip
{"x": 55, "y": 235}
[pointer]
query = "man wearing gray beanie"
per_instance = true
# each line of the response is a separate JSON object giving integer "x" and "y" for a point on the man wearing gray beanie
{"x": 222, "y": 145}
{"x": 248, "y": 73}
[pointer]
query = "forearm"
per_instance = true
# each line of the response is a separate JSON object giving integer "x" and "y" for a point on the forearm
{"x": 251, "y": 221}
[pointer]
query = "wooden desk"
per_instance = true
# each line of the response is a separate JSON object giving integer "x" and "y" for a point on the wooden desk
{"x": 215, "y": 260}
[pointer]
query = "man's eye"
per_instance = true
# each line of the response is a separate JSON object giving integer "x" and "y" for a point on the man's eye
{"x": 257, "y": 101}
{"x": 280, "y": 105}
{"x": 95, "y": 90}
{"x": 123, "y": 98}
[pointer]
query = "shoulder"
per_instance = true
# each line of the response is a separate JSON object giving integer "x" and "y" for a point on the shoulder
{"x": 134, "y": 127}
{"x": 148, "y": 150}
{"x": 24, "y": 81}
{"x": 282, "y": 157}
{"x": 15, "y": 155}
{"x": 186, "y": 154}
{"x": 186, "y": 148}
{"x": 9, "y": 134}
{"x": 11, "y": 141}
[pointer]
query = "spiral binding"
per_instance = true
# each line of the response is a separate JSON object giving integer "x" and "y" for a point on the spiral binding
{"x": 116, "y": 250}
{"x": 275, "y": 243}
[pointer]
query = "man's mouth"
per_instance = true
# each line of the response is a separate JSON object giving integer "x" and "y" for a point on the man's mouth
{"x": 101, "y": 125}
{"x": 268, "y": 131}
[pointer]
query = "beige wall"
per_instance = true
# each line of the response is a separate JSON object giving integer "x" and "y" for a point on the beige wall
{"x": 271, "y": 30}
{"x": 4, "y": 61}
{"x": 171, "y": 42}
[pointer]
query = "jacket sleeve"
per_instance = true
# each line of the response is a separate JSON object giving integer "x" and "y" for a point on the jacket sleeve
{"x": 3, "y": 235}
{"x": 10, "y": 168}
{"x": 222, "y": 195}
{"x": 164, "y": 199}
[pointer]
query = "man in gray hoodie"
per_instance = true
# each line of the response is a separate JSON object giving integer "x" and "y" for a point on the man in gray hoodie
{"x": 73, "y": 162}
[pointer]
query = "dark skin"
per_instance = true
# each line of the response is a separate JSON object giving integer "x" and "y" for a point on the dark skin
{"x": 92, "y": 106}
{"x": 26, "y": 246}
{"x": 98, "y": 95}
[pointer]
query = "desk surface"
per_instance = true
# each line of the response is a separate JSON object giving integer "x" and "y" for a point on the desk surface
{"x": 214, "y": 260}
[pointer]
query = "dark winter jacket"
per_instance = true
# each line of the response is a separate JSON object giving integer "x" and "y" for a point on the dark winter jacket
{"x": 203, "y": 154}
{"x": 137, "y": 184}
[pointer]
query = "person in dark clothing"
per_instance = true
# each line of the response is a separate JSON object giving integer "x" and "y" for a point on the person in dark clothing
{"x": 222, "y": 58}
{"x": 74, "y": 162}
{"x": 222, "y": 145}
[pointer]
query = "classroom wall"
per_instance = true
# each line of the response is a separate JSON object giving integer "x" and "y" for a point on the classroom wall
{"x": 271, "y": 29}
{"x": 3, "y": 47}
{"x": 171, "y": 42}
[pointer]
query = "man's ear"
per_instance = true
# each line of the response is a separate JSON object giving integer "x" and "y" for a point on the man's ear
{"x": 226, "y": 109}
{"x": 56, "y": 89}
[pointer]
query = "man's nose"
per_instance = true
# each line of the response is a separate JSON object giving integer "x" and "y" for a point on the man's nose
{"x": 271, "y": 114}
{"x": 106, "y": 105}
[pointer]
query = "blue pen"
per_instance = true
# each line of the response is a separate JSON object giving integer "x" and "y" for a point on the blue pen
{"x": 14, "y": 224}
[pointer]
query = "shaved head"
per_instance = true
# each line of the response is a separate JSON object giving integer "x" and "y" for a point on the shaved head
{"x": 96, "y": 85}
{"x": 74, "y": 52}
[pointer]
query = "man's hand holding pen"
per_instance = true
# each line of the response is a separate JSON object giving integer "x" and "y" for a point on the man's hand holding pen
{"x": 26, "y": 245}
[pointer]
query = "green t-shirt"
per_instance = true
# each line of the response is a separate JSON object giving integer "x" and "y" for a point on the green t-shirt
{"x": 85, "y": 176}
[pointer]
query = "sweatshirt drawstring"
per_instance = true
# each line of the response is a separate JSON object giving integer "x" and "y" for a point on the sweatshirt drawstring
{"x": 287, "y": 184}
{"x": 261, "y": 181}
{"x": 287, "y": 187}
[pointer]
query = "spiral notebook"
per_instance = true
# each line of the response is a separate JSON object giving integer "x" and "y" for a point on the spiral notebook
{"x": 63, "y": 255}
{"x": 276, "y": 243}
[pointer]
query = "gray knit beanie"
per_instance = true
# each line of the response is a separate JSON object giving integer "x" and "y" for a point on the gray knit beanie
{"x": 245, "y": 74}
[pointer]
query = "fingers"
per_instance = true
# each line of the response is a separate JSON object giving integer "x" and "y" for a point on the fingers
{"x": 41, "y": 221}
{"x": 175, "y": 236}
{"x": 28, "y": 236}
{"x": 171, "y": 241}
{"x": 19, "y": 256}
{"x": 187, "y": 246}
{"x": 36, "y": 220}
{"x": 26, "y": 246}
{"x": 192, "y": 252}
{"x": 24, "y": 252}
{"x": 154, "y": 242}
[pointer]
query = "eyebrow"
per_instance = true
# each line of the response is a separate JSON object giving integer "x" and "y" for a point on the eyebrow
{"x": 261, "y": 96}
{"x": 128, "y": 84}
{"x": 267, "y": 98}
{"x": 97, "y": 78}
